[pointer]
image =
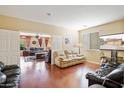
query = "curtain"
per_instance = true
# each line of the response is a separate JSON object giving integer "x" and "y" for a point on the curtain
{"x": 43, "y": 44}
{"x": 49, "y": 43}
{"x": 28, "y": 39}
{"x": 40, "y": 41}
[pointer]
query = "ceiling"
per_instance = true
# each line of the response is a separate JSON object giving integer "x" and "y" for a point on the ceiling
{"x": 73, "y": 17}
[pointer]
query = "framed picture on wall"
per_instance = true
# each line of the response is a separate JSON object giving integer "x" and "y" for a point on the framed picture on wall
{"x": 67, "y": 41}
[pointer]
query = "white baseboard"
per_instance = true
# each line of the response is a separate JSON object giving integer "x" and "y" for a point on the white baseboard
{"x": 98, "y": 63}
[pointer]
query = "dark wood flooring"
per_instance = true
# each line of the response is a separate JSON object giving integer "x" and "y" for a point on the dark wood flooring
{"x": 44, "y": 75}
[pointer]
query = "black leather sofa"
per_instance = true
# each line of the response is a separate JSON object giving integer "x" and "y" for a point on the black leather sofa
{"x": 108, "y": 76}
{"x": 9, "y": 76}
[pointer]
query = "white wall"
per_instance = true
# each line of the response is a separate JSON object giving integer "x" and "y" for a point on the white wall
{"x": 9, "y": 47}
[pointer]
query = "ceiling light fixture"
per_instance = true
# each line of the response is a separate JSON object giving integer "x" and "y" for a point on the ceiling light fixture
{"x": 48, "y": 14}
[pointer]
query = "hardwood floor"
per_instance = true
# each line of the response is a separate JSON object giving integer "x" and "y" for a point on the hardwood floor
{"x": 44, "y": 75}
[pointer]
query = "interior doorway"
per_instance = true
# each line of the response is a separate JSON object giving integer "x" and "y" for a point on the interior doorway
{"x": 35, "y": 47}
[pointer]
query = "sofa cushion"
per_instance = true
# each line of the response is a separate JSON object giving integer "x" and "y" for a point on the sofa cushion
{"x": 12, "y": 72}
{"x": 13, "y": 78}
{"x": 103, "y": 71}
{"x": 9, "y": 67}
{"x": 60, "y": 59}
{"x": 70, "y": 56}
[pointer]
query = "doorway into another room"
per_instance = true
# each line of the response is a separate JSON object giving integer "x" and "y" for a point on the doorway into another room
{"x": 35, "y": 48}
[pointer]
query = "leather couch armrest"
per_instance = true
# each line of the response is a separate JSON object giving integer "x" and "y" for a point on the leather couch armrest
{"x": 94, "y": 79}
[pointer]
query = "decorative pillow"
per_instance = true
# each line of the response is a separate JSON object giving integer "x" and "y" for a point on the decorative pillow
{"x": 1, "y": 66}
